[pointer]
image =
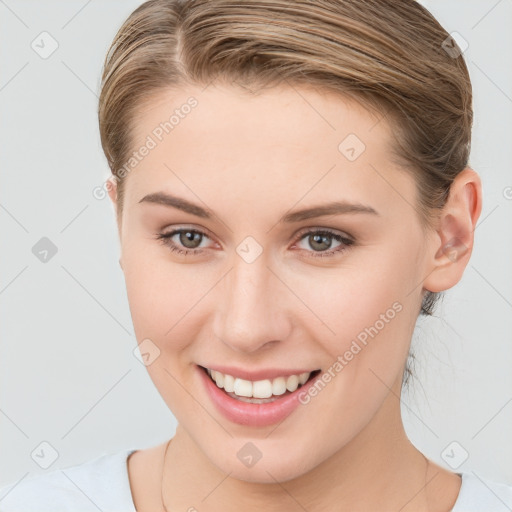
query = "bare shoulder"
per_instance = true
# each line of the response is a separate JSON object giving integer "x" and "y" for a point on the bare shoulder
{"x": 148, "y": 459}
{"x": 443, "y": 487}
{"x": 145, "y": 474}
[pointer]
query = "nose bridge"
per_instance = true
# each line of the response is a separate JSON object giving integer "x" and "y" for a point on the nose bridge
{"x": 248, "y": 315}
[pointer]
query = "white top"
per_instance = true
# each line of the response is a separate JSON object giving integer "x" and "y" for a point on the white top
{"x": 102, "y": 484}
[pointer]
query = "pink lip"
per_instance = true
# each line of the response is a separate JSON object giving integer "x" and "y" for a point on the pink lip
{"x": 256, "y": 415}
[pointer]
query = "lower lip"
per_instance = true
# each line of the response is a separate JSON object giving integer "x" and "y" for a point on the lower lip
{"x": 256, "y": 415}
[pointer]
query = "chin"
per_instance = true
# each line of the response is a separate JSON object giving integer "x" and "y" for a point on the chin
{"x": 262, "y": 460}
{"x": 277, "y": 468}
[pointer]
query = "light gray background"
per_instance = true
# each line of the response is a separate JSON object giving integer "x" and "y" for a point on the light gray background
{"x": 67, "y": 369}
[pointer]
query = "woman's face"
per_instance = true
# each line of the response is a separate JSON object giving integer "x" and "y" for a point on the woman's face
{"x": 305, "y": 254}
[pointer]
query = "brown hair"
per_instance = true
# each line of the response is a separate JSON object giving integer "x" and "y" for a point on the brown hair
{"x": 391, "y": 56}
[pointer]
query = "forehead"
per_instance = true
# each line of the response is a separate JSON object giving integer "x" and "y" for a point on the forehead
{"x": 290, "y": 115}
{"x": 279, "y": 144}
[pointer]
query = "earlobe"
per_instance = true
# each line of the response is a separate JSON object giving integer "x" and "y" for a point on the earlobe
{"x": 451, "y": 249}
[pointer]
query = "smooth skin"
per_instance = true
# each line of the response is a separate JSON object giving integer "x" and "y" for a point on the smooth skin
{"x": 250, "y": 160}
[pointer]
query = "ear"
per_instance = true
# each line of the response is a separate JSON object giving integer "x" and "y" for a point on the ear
{"x": 453, "y": 245}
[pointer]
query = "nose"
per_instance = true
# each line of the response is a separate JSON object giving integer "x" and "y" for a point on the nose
{"x": 252, "y": 307}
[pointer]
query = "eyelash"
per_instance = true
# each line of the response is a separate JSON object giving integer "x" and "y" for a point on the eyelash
{"x": 165, "y": 239}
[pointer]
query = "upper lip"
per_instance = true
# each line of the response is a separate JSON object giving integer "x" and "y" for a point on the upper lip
{"x": 262, "y": 374}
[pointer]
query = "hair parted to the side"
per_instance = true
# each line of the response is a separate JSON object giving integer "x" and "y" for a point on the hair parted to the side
{"x": 386, "y": 54}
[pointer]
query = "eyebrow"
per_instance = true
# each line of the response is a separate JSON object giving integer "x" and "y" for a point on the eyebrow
{"x": 333, "y": 208}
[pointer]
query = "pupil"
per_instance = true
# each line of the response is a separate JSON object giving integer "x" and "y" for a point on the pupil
{"x": 321, "y": 239}
{"x": 187, "y": 238}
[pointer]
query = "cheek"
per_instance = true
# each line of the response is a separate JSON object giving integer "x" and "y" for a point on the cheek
{"x": 164, "y": 297}
{"x": 364, "y": 291}
{"x": 367, "y": 326}
{"x": 362, "y": 314}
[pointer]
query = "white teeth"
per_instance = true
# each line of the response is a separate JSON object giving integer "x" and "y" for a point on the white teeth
{"x": 292, "y": 383}
{"x": 219, "y": 379}
{"x": 229, "y": 383}
{"x": 243, "y": 387}
{"x": 262, "y": 389}
{"x": 279, "y": 386}
{"x": 258, "y": 389}
{"x": 303, "y": 377}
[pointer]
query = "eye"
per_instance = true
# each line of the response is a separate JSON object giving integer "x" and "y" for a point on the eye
{"x": 188, "y": 240}
{"x": 321, "y": 241}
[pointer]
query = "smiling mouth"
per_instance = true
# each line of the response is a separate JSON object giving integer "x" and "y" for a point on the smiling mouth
{"x": 261, "y": 391}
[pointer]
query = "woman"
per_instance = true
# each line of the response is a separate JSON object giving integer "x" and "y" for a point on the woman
{"x": 292, "y": 191}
